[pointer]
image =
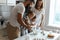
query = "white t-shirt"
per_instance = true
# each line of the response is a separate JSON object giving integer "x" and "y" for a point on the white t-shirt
{"x": 19, "y": 8}
{"x": 38, "y": 15}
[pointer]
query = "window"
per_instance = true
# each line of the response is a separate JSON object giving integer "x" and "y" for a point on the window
{"x": 54, "y": 13}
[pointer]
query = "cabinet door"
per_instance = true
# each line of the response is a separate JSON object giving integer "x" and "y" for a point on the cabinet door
{"x": 2, "y": 2}
{"x": 11, "y": 2}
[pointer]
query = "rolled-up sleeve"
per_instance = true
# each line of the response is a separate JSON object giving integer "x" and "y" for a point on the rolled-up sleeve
{"x": 20, "y": 9}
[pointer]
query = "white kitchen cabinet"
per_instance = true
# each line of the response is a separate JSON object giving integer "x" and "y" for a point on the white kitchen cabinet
{"x": 20, "y": 0}
{"x": 11, "y": 2}
{"x": 2, "y": 2}
{"x": 8, "y": 2}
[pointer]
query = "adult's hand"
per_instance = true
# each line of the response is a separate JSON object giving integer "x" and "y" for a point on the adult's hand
{"x": 41, "y": 25}
{"x": 29, "y": 27}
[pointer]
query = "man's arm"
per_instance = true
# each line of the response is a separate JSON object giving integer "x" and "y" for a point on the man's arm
{"x": 21, "y": 21}
{"x": 26, "y": 21}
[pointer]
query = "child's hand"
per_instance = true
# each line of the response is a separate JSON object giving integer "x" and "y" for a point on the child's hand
{"x": 32, "y": 24}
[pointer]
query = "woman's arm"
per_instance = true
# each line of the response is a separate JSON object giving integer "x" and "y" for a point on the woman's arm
{"x": 42, "y": 21}
{"x": 20, "y": 20}
{"x": 43, "y": 17}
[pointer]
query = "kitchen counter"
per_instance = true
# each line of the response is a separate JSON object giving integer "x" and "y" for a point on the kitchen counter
{"x": 39, "y": 36}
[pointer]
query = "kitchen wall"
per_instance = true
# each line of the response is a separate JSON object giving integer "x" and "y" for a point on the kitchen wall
{"x": 47, "y": 6}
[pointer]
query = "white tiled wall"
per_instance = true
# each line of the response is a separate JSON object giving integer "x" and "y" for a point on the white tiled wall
{"x": 5, "y": 11}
